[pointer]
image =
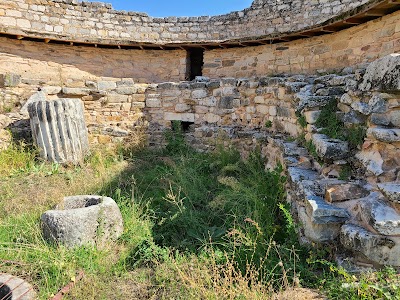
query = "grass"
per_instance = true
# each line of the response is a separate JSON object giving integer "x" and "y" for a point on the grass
{"x": 197, "y": 226}
{"x": 336, "y": 129}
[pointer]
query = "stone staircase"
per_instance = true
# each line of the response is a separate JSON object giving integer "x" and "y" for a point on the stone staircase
{"x": 361, "y": 213}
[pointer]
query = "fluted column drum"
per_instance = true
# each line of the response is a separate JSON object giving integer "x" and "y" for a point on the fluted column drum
{"x": 59, "y": 130}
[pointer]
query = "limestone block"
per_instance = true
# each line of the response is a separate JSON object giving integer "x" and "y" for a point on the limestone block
{"x": 83, "y": 220}
{"x": 387, "y": 135}
{"x": 59, "y": 130}
{"x": 383, "y": 74}
{"x": 117, "y": 98}
{"x": 372, "y": 161}
{"x": 212, "y": 118}
{"x": 377, "y": 248}
{"x": 312, "y": 116}
{"x": 308, "y": 102}
{"x": 391, "y": 190}
{"x": 185, "y": 117}
{"x": 318, "y": 233}
{"x": 51, "y": 90}
{"x": 343, "y": 192}
{"x": 331, "y": 149}
{"x": 106, "y": 85}
{"x": 10, "y": 80}
{"x": 382, "y": 217}
{"x": 75, "y": 91}
{"x": 182, "y": 107}
{"x": 38, "y": 96}
{"x": 126, "y": 90}
{"x": 323, "y": 213}
{"x": 199, "y": 94}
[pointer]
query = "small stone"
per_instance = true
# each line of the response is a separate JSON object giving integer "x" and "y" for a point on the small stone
{"x": 75, "y": 91}
{"x": 387, "y": 135}
{"x": 51, "y": 90}
{"x": 10, "y": 80}
{"x": 330, "y": 149}
{"x": 391, "y": 190}
{"x": 312, "y": 116}
{"x": 106, "y": 85}
{"x": 372, "y": 160}
{"x": 153, "y": 103}
{"x": 343, "y": 192}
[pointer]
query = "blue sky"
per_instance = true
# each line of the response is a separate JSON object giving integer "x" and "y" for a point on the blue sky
{"x": 165, "y": 8}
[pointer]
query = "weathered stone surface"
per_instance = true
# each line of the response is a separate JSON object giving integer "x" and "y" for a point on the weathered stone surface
{"x": 83, "y": 220}
{"x": 330, "y": 149}
{"x": 312, "y": 116}
{"x": 59, "y": 130}
{"x": 297, "y": 174}
{"x": 387, "y": 135}
{"x": 51, "y": 90}
{"x": 14, "y": 288}
{"x": 38, "y": 96}
{"x": 10, "y": 80}
{"x": 106, "y": 85}
{"x": 382, "y": 217}
{"x": 185, "y": 117}
{"x": 309, "y": 102}
{"x": 391, "y": 190}
{"x": 343, "y": 192}
{"x": 383, "y": 74}
{"x": 318, "y": 233}
{"x": 324, "y": 213}
{"x": 75, "y": 91}
{"x": 377, "y": 248}
{"x": 372, "y": 161}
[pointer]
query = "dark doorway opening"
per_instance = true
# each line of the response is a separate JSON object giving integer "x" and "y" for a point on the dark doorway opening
{"x": 5, "y": 292}
{"x": 195, "y": 61}
{"x": 181, "y": 126}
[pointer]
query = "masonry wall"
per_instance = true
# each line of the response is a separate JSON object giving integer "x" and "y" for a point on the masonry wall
{"x": 355, "y": 46}
{"x": 96, "y": 22}
{"x": 63, "y": 65}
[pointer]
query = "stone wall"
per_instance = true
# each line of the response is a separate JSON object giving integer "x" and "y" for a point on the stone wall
{"x": 71, "y": 20}
{"x": 63, "y": 65}
{"x": 350, "y": 47}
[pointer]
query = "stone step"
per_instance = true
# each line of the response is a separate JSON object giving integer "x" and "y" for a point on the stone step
{"x": 308, "y": 102}
{"x": 321, "y": 221}
{"x": 387, "y": 135}
{"x": 391, "y": 190}
{"x": 322, "y": 212}
{"x": 343, "y": 192}
{"x": 377, "y": 248}
{"x": 330, "y": 149}
{"x": 380, "y": 216}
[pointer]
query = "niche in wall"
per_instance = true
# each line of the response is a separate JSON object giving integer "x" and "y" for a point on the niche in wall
{"x": 194, "y": 63}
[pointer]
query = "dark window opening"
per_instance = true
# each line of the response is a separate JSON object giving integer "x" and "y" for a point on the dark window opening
{"x": 181, "y": 126}
{"x": 195, "y": 61}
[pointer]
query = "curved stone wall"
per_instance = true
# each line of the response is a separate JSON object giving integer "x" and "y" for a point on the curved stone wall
{"x": 86, "y": 22}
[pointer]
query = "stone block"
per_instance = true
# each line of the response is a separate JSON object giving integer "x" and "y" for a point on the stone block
{"x": 117, "y": 98}
{"x": 211, "y": 118}
{"x": 382, "y": 217}
{"x": 343, "y": 192}
{"x": 83, "y": 220}
{"x": 126, "y": 90}
{"x": 10, "y": 80}
{"x": 377, "y": 248}
{"x": 383, "y": 74}
{"x": 153, "y": 102}
{"x": 312, "y": 116}
{"x": 199, "y": 94}
{"x": 185, "y": 117}
{"x": 51, "y": 90}
{"x": 75, "y": 91}
{"x": 318, "y": 233}
{"x": 330, "y": 149}
{"x": 372, "y": 161}
{"x": 106, "y": 85}
{"x": 182, "y": 107}
{"x": 391, "y": 190}
{"x": 323, "y": 213}
{"x": 387, "y": 135}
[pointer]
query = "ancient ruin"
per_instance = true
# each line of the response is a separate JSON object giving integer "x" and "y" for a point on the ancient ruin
{"x": 316, "y": 84}
{"x": 83, "y": 220}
